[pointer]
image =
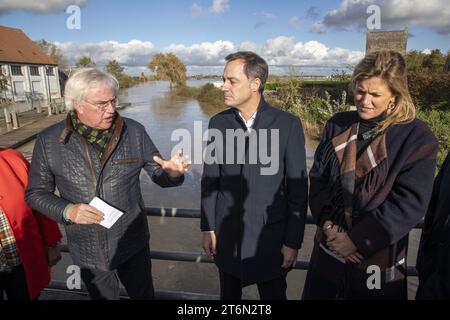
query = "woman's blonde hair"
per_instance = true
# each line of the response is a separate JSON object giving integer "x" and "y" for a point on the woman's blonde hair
{"x": 391, "y": 67}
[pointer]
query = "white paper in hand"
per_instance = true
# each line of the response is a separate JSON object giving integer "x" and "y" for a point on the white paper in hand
{"x": 110, "y": 214}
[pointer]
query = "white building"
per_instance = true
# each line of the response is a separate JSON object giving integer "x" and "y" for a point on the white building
{"x": 28, "y": 70}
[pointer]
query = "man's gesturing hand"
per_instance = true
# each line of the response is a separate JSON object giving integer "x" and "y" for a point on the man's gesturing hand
{"x": 176, "y": 166}
{"x": 84, "y": 214}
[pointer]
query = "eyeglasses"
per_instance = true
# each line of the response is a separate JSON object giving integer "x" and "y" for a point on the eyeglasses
{"x": 103, "y": 104}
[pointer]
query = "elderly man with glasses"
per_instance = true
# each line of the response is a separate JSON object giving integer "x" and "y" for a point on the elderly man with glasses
{"x": 95, "y": 153}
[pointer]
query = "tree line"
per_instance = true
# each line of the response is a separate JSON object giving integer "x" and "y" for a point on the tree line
{"x": 164, "y": 66}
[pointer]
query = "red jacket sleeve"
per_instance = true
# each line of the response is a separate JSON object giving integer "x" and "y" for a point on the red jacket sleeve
{"x": 48, "y": 229}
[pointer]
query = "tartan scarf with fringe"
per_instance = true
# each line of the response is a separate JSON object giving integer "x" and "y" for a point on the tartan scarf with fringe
{"x": 346, "y": 171}
{"x": 97, "y": 138}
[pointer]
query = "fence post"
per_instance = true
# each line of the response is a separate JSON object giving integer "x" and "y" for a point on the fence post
{"x": 15, "y": 120}
{"x": 38, "y": 107}
{"x": 7, "y": 115}
{"x": 49, "y": 108}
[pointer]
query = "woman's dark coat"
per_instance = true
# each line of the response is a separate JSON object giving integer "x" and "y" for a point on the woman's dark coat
{"x": 376, "y": 199}
{"x": 433, "y": 259}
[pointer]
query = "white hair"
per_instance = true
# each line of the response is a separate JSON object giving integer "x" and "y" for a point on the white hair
{"x": 85, "y": 79}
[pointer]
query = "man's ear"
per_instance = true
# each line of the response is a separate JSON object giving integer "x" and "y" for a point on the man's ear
{"x": 77, "y": 107}
{"x": 255, "y": 84}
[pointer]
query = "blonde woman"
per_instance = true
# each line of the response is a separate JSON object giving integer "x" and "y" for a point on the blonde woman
{"x": 370, "y": 185}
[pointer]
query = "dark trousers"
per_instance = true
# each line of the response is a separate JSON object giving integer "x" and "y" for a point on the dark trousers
{"x": 135, "y": 275}
{"x": 231, "y": 288}
{"x": 14, "y": 284}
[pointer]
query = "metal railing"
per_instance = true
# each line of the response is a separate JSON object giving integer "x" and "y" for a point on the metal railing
{"x": 196, "y": 257}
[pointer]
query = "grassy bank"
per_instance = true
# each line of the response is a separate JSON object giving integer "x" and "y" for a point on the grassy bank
{"x": 314, "y": 110}
{"x": 206, "y": 94}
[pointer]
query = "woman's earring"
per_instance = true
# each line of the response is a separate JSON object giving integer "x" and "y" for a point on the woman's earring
{"x": 391, "y": 106}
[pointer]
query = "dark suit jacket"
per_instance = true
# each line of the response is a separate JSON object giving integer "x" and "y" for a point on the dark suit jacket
{"x": 433, "y": 259}
{"x": 254, "y": 213}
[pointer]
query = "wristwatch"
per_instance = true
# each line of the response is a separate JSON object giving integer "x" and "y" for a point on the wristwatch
{"x": 66, "y": 219}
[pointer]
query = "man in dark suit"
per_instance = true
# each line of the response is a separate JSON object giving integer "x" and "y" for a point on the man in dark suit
{"x": 433, "y": 258}
{"x": 253, "y": 207}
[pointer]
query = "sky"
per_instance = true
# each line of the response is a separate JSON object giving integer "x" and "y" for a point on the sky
{"x": 317, "y": 36}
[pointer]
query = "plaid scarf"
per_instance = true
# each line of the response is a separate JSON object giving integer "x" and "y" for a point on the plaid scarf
{"x": 97, "y": 138}
{"x": 9, "y": 255}
{"x": 346, "y": 170}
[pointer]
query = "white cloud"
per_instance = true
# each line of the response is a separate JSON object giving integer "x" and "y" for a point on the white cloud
{"x": 203, "y": 54}
{"x": 426, "y": 51}
{"x": 278, "y": 47}
{"x": 295, "y": 23}
{"x": 41, "y": 6}
{"x": 219, "y": 6}
{"x": 432, "y": 14}
{"x": 249, "y": 46}
{"x": 318, "y": 27}
{"x": 282, "y": 51}
{"x": 132, "y": 53}
{"x": 279, "y": 52}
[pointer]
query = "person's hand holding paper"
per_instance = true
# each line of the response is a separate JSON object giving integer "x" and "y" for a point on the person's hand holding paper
{"x": 110, "y": 214}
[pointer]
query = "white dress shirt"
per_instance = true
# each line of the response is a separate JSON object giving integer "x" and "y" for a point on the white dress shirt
{"x": 249, "y": 123}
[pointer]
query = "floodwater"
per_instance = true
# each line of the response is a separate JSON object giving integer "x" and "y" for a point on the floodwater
{"x": 162, "y": 113}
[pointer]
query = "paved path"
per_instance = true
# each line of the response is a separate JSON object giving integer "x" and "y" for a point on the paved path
{"x": 31, "y": 124}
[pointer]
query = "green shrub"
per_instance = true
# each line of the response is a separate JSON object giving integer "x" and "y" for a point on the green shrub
{"x": 206, "y": 94}
{"x": 272, "y": 86}
{"x": 211, "y": 95}
{"x": 430, "y": 90}
{"x": 439, "y": 123}
{"x": 189, "y": 92}
{"x": 125, "y": 81}
{"x": 315, "y": 111}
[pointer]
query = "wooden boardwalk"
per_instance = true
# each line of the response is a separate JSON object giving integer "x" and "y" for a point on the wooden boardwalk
{"x": 31, "y": 123}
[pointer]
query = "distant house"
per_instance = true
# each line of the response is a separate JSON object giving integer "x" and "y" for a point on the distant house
{"x": 29, "y": 71}
{"x": 218, "y": 84}
{"x": 387, "y": 40}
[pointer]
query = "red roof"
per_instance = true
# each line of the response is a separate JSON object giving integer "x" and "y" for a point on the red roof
{"x": 16, "y": 47}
